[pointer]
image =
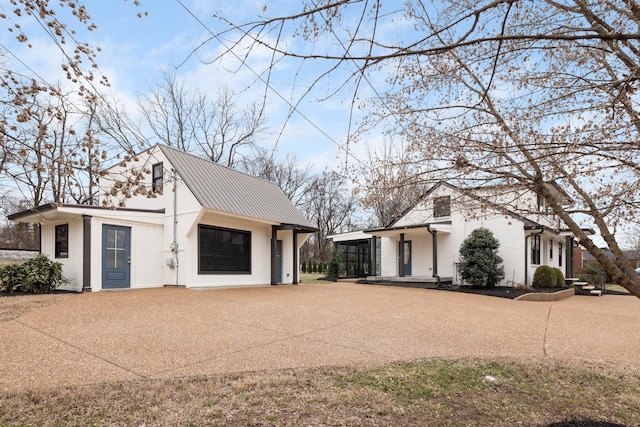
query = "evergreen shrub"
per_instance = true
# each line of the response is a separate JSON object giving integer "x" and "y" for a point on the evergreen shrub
{"x": 544, "y": 277}
{"x": 560, "y": 282}
{"x": 480, "y": 264}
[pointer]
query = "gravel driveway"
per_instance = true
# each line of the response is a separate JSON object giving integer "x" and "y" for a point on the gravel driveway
{"x": 169, "y": 332}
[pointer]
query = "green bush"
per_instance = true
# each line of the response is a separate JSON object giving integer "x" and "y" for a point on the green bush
{"x": 11, "y": 277}
{"x": 37, "y": 275}
{"x": 304, "y": 267}
{"x": 560, "y": 282}
{"x": 544, "y": 277}
{"x": 480, "y": 263}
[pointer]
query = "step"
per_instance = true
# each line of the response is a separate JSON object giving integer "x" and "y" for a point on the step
{"x": 588, "y": 288}
{"x": 596, "y": 292}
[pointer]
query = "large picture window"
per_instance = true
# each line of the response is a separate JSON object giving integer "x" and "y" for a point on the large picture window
{"x": 223, "y": 251}
{"x": 442, "y": 206}
{"x": 535, "y": 249}
{"x": 62, "y": 241}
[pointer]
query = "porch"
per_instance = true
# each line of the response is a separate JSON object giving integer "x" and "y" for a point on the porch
{"x": 425, "y": 282}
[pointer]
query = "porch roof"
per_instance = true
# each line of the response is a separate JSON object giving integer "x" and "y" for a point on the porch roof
{"x": 442, "y": 227}
{"x": 55, "y": 212}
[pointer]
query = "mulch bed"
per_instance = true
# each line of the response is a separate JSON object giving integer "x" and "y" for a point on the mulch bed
{"x": 508, "y": 292}
{"x": 499, "y": 291}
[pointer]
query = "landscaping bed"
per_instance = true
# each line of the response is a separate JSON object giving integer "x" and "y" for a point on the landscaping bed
{"x": 500, "y": 291}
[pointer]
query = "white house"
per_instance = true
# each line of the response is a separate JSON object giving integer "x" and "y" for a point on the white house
{"x": 167, "y": 217}
{"x": 423, "y": 245}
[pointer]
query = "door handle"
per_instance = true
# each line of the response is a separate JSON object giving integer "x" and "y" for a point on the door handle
{"x": 129, "y": 260}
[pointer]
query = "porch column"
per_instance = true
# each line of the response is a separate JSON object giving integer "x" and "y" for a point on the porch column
{"x": 274, "y": 252}
{"x": 401, "y": 256}
{"x": 568, "y": 242}
{"x": 86, "y": 253}
{"x": 434, "y": 244}
{"x": 374, "y": 256}
{"x": 295, "y": 257}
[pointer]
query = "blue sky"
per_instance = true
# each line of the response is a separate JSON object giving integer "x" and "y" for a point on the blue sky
{"x": 135, "y": 50}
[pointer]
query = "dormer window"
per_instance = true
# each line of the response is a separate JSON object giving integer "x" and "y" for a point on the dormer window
{"x": 442, "y": 206}
{"x": 541, "y": 203}
{"x": 157, "y": 176}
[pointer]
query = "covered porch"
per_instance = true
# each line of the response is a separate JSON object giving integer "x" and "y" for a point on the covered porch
{"x": 407, "y": 255}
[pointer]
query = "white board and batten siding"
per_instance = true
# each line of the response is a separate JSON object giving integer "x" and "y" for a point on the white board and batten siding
{"x": 72, "y": 266}
{"x": 146, "y": 253}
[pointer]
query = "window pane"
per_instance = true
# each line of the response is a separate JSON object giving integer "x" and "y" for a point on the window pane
{"x": 442, "y": 206}
{"x": 62, "y": 241}
{"x": 111, "y": 258}
{"x": 119, "y": 239}
{"x": 224, "y": 250}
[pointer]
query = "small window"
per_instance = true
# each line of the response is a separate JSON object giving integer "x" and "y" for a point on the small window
{"x": 560, "y": 254}
{"x": 223, "y": 251}
{"x": 541, "y": 203}
{"x": 442, "y": 206}
{"x": 551, "y": 249}
{"x": 157, "y": 177}
{"x": 535, "y": 249}
{"x": 62, "y": 241}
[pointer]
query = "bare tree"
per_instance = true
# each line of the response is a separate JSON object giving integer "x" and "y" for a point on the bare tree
{"x": 54, "y": 156}
{"x": 31, "y": 105}
{"x": 536, "y": 95}
{"x": 389, "y": 182}
{"x": 291, "y": 178}
{"x": 330, "y": 206}
{"x": 16, "y": 235}
{"x": 188, "y": 120}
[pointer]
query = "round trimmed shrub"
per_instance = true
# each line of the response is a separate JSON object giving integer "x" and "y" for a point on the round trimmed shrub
{"x": 544, "y": 277}
{"x": 560, "y": 282}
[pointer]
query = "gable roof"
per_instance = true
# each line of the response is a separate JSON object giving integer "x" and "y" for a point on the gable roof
{"x": 528, "y": 223}
{"x": 225, "y": 189}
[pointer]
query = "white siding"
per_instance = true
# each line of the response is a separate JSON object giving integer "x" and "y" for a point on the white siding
{"x": 467, "y": 215}
{"x": 146, "y": 253}
{"x": 72, "y": 266}
{"x": 260, "y": 255}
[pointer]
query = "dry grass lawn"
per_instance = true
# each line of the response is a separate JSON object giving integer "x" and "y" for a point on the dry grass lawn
{"x": 434, "y": 392}
{"x": 14, "y": 306}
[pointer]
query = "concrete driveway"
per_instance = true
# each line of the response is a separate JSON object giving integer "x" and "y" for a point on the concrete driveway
{"x": 159, "y": 333}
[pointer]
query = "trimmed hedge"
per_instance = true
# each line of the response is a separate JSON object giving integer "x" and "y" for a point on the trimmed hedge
{"x": 560, "y": 282}
{"x": 544, "y": 277}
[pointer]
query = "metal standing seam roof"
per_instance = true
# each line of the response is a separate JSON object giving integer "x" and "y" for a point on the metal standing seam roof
{"x": 225, "y": 189}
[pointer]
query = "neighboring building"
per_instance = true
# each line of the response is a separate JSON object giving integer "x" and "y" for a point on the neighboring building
{"x": 632, "y": 256}
{"x": 167, "y": 217}
{"x": 423, "y": 245}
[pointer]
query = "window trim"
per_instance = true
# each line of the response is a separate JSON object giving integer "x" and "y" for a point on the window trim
{"x": 219, "y": 272}
{"x": 59, "y": 253}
